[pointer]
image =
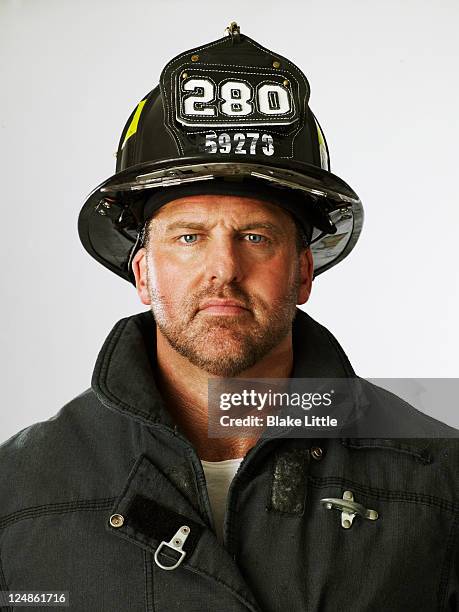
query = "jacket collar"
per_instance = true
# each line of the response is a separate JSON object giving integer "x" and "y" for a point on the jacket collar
{"x": 123, "y": 377}
{"x": 124, "y": 381}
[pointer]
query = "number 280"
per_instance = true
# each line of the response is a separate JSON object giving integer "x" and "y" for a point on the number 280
{"x": 237, "y": 97}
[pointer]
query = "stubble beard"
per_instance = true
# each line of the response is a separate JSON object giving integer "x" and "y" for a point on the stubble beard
{"x": 226, "y": 345}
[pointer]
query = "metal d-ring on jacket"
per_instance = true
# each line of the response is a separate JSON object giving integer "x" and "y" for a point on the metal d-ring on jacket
{"x": 106, "y": 497}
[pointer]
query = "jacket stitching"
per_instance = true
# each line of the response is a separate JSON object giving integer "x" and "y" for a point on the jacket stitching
{"x": 149, "y": 593}
{"x": 199, "y": 483}
{"x": 63, "y": 507}
{"x": 188, "y": 565}
{"x": 420, "y": 454}
{"x": 104, "y": 368}
{"x": 427, "y": 500}
{"x": 3, "y": 585}
{"x": 137, "y": 470}
{"x": 240, "y": 595}
{"x": 344, "y": 361}
{"x": 446, "y": 569}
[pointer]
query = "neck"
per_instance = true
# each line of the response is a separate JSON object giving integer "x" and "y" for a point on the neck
{"x": 184, "y": 389}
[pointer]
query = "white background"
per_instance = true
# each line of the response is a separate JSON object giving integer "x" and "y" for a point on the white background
{"x": 384, "y": 87}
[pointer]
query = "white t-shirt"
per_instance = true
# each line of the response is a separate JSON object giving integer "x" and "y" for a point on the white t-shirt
{"x": 219, "y": 475}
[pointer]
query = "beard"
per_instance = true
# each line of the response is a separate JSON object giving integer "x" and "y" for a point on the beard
{"x": 225, "y": 345}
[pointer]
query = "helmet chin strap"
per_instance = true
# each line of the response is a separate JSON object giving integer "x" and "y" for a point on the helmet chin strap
{"x": 139, "y": 243}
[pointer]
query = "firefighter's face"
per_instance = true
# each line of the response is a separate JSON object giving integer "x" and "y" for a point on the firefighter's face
{"x": 216, "y": 248}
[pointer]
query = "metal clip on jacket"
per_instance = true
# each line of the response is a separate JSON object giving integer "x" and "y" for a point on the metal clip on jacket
{"x": 349, "y": 508}
{"x": 176, "y": 544}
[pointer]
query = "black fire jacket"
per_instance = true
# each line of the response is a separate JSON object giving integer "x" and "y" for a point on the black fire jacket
{"x": 89, "y": 497}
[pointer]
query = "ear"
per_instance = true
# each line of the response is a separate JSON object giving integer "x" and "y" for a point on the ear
{"x": 139, "y": 268}
{"x": 306, "y": 274}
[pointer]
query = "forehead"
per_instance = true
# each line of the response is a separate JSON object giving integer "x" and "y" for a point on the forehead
{"x": 228, "y": 207}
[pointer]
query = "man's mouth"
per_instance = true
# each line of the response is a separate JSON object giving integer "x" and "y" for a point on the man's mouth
{"x": 222, "y": 307}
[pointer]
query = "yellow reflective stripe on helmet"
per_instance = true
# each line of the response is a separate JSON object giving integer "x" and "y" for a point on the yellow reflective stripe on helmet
{"x": 324, "y": 161}
{"x": 132, "y": 129}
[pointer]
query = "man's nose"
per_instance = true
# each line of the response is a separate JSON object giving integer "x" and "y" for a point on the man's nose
{"x": 224, "y": 261}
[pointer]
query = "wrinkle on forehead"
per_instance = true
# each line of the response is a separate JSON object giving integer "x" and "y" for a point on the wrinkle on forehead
{"x": 184, "y": 224}
{"x": 210, "y": 210}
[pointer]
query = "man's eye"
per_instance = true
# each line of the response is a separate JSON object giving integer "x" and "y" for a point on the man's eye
{"x": 255, "y": 238}
{"x": 188, "y": 238}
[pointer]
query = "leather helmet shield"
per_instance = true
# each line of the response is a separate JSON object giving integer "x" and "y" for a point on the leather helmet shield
{"x": 237, "y": 97}
{"x": 230, "y": 109}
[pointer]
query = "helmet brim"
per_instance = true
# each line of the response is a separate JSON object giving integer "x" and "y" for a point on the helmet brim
{"x": 108, "y": 229}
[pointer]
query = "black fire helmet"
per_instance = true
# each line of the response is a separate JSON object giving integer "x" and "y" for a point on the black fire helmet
{"x": 230, "y": 116}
